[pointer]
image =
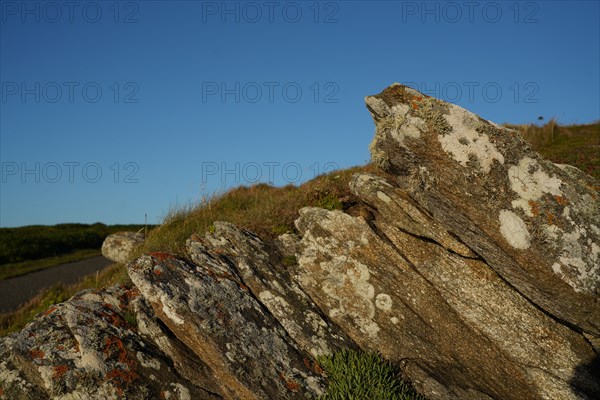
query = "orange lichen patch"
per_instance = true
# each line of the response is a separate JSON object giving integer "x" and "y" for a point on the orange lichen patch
{"x": 292, "y": 385}
{"x": 114, "y": 343}
{"x": 50, "y": 311}
{"x": 59, "y": 371}
{"x": 561, "y": 200}
{"x": 244, "y": 288}
{"x": 116, "y": 348}
{"x": 289, "y": 383}
{"x": 122, "y": 379}
{"x": 158, "y": 270}
{"x": 113, "y": 318}
{"x": 132, "y": 293}
{"x": 128, "y": 296}
{"x": 317, "y": 368}
{"x": 306, "y": 363}
{"x": 550, "y": 218}
{"x": 36, "y": 354}
{"x": 1, "y": 392}
{"x": 162, "y": 256}
{"x": 535, "y": 207}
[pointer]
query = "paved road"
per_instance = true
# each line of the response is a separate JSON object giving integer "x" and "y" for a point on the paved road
{"x": 18, "y": 290}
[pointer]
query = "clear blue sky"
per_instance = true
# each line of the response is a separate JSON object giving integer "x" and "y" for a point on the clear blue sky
{"x": 173, "y": 100}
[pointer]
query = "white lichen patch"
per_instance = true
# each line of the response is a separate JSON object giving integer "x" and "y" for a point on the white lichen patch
{"x": 394, "y": 320}
{"x": 314, "y": 385}
{"x": 383, "y": 197}
{"x": 344, "y": 280}
{"x": 514, "y": 230}
{"x": 377, "y": 106}
{"x": 181, "y": 391}
{"x": 578, "y": 261}
{"x": 406, "y": 127}
{"x": 383, "y": 302}
{"x": 91, "y": 361}
{"x": 319, "y": 340}
{"x": 147, "y": 361}
{"x": 464, "y": 142}
{"x": 275, "y": 304}
{"x": 9, "y": 377}
{"x": 530, "y": 182}
{"x": 170, "y": 313}
{"x": 396, "y": 121}
{"x": 556, "y": 268}
{"x": 283, "y": 312}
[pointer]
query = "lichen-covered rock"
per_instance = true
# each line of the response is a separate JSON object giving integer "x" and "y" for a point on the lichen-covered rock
{"x": 87, "y": 348}
{"x": 263, "y": 271}
{"x": 478, "y": 268}
{"x": 535, "y": 224}
{"x": 210, "y": 309}
{"x": 119, "y": 246}
{"x": 457, "y": 328}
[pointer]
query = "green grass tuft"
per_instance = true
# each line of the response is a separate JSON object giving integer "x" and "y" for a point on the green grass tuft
{"x": 356, "y": 376}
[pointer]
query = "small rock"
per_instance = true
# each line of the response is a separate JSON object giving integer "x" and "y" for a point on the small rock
{"x": 119, "y": 246}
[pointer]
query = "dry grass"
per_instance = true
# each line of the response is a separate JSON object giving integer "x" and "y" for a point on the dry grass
{"x": 263, "y": 209}
{"x": 577, "y": 145}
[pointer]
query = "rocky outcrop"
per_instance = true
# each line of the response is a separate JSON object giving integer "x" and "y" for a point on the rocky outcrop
{"x": 119, "y": 246}
{"x": 473, "y": 264}
{"x": 89, "y": 348}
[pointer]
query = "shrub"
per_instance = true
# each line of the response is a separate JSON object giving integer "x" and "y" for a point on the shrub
{"x": 356, "y": 376}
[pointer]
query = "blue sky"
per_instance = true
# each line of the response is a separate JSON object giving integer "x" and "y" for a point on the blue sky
{"x": 113, "y": 110}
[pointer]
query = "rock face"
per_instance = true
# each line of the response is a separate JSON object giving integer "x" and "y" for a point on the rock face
{"x": 88, "y": 348}
{"x": 474, "y": 266}
{"x": 118, "y": 246}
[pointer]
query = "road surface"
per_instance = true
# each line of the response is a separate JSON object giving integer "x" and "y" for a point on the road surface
{"x": 18, "y": 290}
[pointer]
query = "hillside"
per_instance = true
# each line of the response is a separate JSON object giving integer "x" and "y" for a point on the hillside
{"x": 577, "y": 145}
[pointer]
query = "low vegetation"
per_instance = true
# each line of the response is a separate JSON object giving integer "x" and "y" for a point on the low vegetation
{"x": 577, "y": 145}
{"x": 358, "y": 375}
{"x": 266, "y": 210}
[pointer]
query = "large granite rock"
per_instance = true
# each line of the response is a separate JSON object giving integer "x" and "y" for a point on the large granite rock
{"x": 478, "y": 269}
{"x": 119, "y": 246}
{"x": 468, "y": 260}
{"x": 535, "y": 224}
